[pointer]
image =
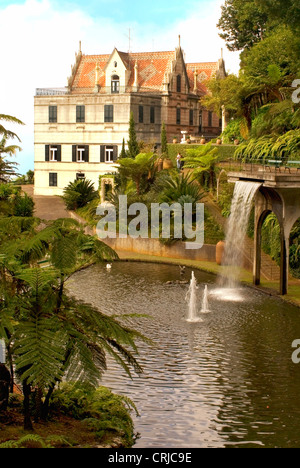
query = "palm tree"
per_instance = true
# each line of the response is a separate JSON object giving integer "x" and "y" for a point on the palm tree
{"x": 11, "y": 119}
{"x": 181, "y": 188}
{"x": 79, "y": 193}
{"x": 7, "y": 169}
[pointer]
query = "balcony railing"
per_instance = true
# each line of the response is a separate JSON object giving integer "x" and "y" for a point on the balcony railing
{"x": 102, "y": 90}
{"x": 51, "y": 91}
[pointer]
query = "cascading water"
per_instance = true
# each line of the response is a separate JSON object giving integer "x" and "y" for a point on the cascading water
{"x": 243, "y": 197}
{"x": 191, "y": 299}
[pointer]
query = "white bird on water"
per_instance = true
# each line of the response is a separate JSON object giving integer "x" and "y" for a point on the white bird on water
{"x": 108, "y": 266}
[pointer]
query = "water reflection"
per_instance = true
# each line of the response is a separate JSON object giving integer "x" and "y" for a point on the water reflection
{"x": 226, "y": 381}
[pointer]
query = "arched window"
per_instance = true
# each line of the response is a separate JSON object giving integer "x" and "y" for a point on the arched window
{"x": 115, "y": 84}
{"x": 178, "y": 84}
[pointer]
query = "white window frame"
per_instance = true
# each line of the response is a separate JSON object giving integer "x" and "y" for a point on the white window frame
{"x": 109, "y": 154}
{"x": 53, "y": 154}
{"x": 79, "y": 152}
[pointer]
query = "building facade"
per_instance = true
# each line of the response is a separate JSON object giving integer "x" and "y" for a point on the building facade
{"x": 79, "y": 130}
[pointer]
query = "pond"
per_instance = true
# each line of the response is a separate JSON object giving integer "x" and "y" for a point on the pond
{"x": 225, "y": 381}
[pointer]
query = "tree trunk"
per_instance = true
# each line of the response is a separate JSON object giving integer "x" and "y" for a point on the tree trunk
{"x": 4, "y": 387}
{"x": 27, "y": 416}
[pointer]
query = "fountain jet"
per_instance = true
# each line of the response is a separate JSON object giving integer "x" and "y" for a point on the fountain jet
{"x": 205, "y": 305}
{"x": 191, "y": 299}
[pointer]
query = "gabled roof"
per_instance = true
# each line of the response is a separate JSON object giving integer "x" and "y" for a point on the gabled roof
{"x": 205, "y": 71}
{"x": 152, "y": 70}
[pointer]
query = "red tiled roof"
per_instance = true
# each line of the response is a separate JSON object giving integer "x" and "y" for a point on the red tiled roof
{"x": 205, "y": 71}
{"x": 152, "y": 67}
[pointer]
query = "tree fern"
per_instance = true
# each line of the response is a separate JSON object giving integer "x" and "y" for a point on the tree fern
{"x": 39, "y": 350}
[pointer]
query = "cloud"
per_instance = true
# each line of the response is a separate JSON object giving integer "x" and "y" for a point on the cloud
{"x": 40, "y": 39}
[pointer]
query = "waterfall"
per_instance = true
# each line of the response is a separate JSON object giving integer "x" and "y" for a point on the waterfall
{"x": 241, "y": 206}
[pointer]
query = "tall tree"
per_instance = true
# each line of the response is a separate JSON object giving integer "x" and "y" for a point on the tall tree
{"x": 133, "y": 146}
{"x": 123, "y": 151}
{"x": 164, "y": 141}
{"x": 243, "y": 23}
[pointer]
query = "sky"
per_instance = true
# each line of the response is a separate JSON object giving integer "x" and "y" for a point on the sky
{"x": 39, "y": 39}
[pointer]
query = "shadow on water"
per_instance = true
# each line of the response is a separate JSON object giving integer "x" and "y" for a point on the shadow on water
{"x": 227, "y": 380}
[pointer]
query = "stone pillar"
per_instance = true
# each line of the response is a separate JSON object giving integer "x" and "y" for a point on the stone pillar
{"x": 257, "y": 254}
{"x": 284, "y": 264}
{"x": 224, "y": 118}
{"x": 262, "y": 209}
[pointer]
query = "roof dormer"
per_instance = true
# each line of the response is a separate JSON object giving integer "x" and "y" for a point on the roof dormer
{"x": 117, "y": 71}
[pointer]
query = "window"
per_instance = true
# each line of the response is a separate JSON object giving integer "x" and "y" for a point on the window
{"x": 178, "y": 116}
{"x": 152, "y": 115}
{"x": 108, "y": 153}
{"x": 178, "y": 84}
{"x": 80, "y": 153}
{"x": 141, "y": 114}
{"x": 80, "y": 114}
{"x": 115, "y": 64}
{"x": 53, "y": 153}
{"x": 200, "y": 121}
{"x": 108, "y": 113}
{"x": 191, "y": 117}
{"x": 210, "y": 119}
{"x": 115, "y": 84}
{"x": 52, "y": 114}
{"x": 52, "y": 179}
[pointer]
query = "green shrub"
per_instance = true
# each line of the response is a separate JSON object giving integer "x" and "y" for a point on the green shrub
{"x": 232, "y": 131}
{"x": 79, "y": 193}
{"x": 23, "y": 206}
{"x": 8, "y": 191}
{"x": 101, "y": 410}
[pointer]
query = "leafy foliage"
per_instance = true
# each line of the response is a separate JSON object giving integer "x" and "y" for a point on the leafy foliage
{"x": 51, "y": 336}
{"x": 285, "y": 147}
{"x": 203, "y": 160}
{"x": 181, "y": 189}
{"x": 79, "y": 193}
{"x": 100, "y": 409}
{"x": 137, "y": 169}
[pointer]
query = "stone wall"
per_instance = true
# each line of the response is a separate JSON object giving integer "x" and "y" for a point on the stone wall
{"x": 155, "y": 248}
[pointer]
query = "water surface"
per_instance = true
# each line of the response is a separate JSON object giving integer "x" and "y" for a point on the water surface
{"x": 227, "y": 381}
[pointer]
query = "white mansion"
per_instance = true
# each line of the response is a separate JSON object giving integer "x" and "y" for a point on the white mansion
{"x": 79, "y": 129}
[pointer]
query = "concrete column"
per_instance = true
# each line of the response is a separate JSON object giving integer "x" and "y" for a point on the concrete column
{"x": 257, "y": 254}
{"x": 284, "y": 265}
